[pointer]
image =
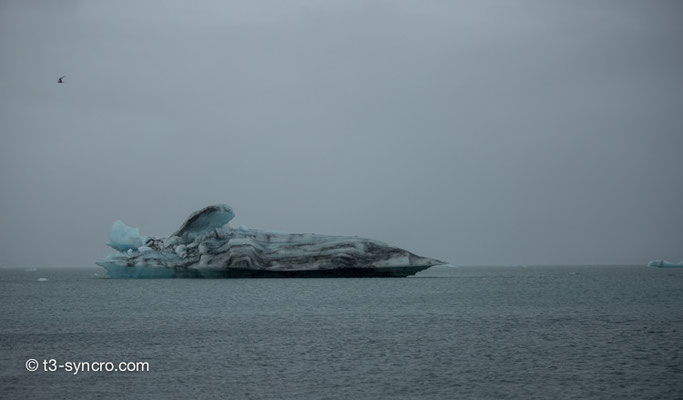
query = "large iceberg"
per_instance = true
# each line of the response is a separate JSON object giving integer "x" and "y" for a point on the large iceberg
{"x": 206, "y": 246}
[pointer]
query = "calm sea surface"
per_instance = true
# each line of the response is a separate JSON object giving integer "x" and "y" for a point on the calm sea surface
{"x": 480, "y": 332}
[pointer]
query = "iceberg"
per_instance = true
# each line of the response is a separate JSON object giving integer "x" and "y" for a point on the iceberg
{"x": 665, "y": 264}
{"x": 206, "y": 246}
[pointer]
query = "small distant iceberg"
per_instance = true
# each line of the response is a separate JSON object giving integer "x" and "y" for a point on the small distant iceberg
{"x": 665, "y": 264}
{"x": 31, "y": 269}
{"x": 206, "y": 246}
{"x": 42, "y": 279}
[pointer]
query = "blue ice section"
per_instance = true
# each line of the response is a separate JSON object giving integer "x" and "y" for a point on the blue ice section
{"x": 123, "y": 237}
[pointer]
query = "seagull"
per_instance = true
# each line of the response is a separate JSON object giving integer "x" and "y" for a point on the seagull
{"x": 61, "y": 80}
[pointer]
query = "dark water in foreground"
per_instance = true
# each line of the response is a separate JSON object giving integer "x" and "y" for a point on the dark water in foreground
{"x": 522, "y": 333}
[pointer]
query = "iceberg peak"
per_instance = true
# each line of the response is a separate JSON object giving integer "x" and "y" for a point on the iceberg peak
{"x": 205, "y": 220}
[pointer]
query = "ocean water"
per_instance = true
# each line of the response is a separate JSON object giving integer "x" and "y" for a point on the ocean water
{"x": 479, "y": 332}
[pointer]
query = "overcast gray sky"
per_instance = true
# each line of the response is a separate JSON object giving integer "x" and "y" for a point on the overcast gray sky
{"x": 477, "y": 132}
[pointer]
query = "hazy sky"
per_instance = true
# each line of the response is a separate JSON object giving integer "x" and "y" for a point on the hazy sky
{"x": 477, "y": 132}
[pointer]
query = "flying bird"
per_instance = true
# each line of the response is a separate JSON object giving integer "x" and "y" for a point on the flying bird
{"x": 61, "y": 80}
